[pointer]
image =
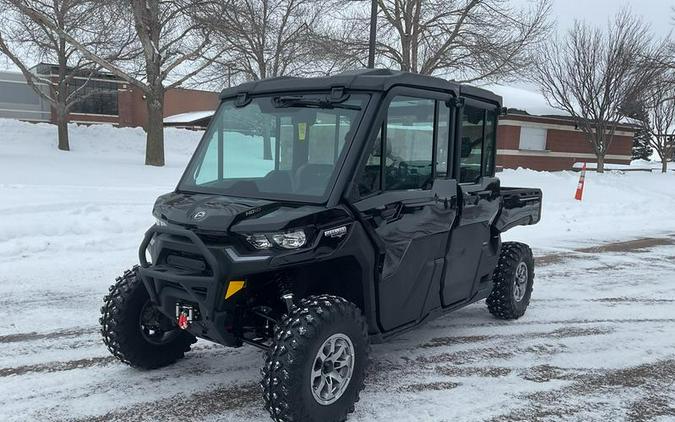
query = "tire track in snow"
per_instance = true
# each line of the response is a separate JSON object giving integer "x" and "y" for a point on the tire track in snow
{"x": 57, "y": 366}
{"x": 58, "y": 334}
{"x": 651, "y": 380}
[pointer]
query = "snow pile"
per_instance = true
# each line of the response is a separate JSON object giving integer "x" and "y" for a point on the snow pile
{"x": 615, "y": 206}
{"x": 98, "y": 194}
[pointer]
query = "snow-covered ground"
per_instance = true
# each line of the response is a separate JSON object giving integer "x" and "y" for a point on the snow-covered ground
{"x": 596, "y": 343}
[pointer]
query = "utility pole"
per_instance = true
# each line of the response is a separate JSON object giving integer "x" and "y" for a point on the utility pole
{"x": 373, "y": 34}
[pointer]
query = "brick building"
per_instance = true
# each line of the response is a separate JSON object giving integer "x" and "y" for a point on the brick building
{"x": 534, "y": 135}
{"x": 118, "y": 103}
{"x": 553, "y": 143}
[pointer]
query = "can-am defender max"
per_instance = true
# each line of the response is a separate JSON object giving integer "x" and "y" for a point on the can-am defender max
{"x": 318, "y": 216}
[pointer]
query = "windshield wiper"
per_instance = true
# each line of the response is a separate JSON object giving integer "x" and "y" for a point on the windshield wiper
{"x": 325, "y": 102}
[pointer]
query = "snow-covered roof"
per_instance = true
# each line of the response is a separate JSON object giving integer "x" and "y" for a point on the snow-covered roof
{"x": 528, "y": 100}
{"x": 189, "y": 117}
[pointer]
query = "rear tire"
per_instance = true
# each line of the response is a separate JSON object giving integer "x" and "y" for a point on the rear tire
{"x": 135, "y": 331}
{"x": 309, "y": 357}
{"x": 512, "y": 281}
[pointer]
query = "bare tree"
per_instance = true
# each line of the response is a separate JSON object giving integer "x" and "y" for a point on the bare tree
{"x": 174, "y": 48}
{"x": 467, "y": 40}
{"x": 265, "y": 38}
{"x": 657, "y": 117}
{"x": 22, "y": 37}
{"x": 592, "y": 74}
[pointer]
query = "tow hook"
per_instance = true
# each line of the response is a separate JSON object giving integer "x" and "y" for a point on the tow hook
{"x": 184, "y": 316}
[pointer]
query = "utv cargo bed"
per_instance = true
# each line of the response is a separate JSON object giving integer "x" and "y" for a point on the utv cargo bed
{"x": 520, "y": 207}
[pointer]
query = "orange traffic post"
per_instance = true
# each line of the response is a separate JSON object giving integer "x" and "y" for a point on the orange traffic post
{"x": 580, "y": 186}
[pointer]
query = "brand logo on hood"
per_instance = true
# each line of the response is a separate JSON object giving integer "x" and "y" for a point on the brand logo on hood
{"x": 199, "y": 215}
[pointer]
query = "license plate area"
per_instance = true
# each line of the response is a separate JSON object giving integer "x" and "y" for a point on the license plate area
{"x": 186, "y": 314}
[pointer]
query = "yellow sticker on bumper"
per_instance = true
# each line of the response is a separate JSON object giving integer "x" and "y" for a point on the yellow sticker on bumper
{"x": 233, "y": 288}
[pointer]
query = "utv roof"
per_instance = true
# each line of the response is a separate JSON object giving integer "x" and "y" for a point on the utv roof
{"x": 364, "y": 79}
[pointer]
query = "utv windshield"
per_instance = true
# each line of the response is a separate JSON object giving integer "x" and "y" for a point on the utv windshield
{"x": 277, "y": 147}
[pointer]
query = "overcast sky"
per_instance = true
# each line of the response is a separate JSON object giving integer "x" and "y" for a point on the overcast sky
{"x": 657, "y": 12}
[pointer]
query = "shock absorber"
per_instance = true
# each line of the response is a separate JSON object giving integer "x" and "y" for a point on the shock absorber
{"x": 284, "y": 282}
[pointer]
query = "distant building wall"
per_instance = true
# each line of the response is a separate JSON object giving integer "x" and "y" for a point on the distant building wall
{"x": 121, "y": 104}
{"x": 545, "y": 143}
{"x": 18, "y": 100}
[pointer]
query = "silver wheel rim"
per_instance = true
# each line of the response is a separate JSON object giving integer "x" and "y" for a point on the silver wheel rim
{"x": 520, "y": 282}
{"x": 332, "y": 369}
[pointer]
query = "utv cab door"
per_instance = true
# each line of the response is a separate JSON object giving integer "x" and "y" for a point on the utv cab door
{"x": 409, "y": 202}
{"x": 473, "y": 248}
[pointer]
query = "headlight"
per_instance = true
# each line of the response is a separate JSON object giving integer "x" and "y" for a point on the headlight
{"x": 290, "y": 240}
{"x": 160, "y": 222}
{"x": 259, "y": 241}
{"x": 287, "y": 240}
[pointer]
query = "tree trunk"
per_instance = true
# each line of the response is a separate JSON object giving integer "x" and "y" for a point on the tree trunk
{"x": 601, "y": 163}
{"x": 154, "y": 149}
{"x": 62, "y": 124}
{"x": 664, "y": 165}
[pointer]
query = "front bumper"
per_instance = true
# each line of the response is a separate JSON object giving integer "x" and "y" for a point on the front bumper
{"x": 204, "y": 285}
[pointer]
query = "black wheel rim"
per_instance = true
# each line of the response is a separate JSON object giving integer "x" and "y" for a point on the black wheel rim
{"x": 155, "y": 327}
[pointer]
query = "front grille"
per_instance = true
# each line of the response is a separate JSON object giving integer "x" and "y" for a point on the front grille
{"x": 194, "y": 263}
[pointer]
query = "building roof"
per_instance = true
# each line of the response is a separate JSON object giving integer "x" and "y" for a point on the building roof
{"x": 188, "y": 118}
{"x": 364, "y": 79}
{"x": 531, "y": 101}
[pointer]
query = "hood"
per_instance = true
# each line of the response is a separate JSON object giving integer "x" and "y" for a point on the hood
{"x": 206, "y": 212}
{"x": 243, "y": 215}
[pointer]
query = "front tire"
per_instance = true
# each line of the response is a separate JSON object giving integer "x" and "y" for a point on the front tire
{"x": 512, "y": 281}
{"x": 135, "y": 331}
{"x": 316, "y": 367}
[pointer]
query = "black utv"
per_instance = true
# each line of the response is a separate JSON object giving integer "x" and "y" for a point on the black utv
{"x": 318, "y": 216}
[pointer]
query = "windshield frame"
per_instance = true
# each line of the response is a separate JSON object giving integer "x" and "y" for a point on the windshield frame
{"x": 281, "y": 197}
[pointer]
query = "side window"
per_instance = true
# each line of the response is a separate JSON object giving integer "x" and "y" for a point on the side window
{"x": 369, "y": 182}
{"x": 490, "y": 142}
{"x": 471, "y": 151}
{"x": 442, "y": 135}
{"x": 409, "y": 144}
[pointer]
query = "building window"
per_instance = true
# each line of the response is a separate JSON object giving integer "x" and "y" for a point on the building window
{"x": 18, "y": 93}
{"x": 97, "y": 97}
{"x": 532, "y": 138}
